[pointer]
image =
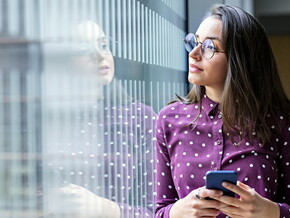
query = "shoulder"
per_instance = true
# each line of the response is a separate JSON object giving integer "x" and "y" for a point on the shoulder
{"x": 176, "y": 113}
{"x": 280, "y": 130}
{"x": 285, "y": 123}
{"x": 143, "y": 109}
{"x": 282, "y": 122}
{"x": 173, "y": 109}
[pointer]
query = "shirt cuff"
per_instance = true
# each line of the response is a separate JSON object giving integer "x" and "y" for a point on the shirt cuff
{"x": 134, "y": 211}
{"x": 284, "y": 210}
{"x": 164, "y": 212}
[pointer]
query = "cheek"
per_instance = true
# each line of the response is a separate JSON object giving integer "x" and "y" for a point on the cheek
{"x": 224, "y": 72}
{"x": 221, "y": 69}
{"x": 111, "y": 65}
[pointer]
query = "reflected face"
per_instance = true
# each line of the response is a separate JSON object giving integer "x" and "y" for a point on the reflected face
{"x": 210, "y": 73}
{"x": 93, "y": 55}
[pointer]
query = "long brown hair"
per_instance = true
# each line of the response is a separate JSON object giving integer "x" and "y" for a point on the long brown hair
{"x": 253, "y": 89}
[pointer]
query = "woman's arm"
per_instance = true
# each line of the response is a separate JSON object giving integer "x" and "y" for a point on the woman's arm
{"x": 250, "y": 203}
{"x": 283, "y": 193}
{"x": 168, "y": 202}
{"x": 166, "y": 195}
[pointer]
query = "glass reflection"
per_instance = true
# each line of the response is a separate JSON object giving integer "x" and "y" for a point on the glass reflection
{"x": 97, "y": 133}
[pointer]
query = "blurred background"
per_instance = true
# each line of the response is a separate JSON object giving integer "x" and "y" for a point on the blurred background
{"x": 81, "y": 82}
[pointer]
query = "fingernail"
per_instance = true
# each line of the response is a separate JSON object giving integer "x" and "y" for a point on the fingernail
{"x": 220, "y": 193}
{"x": 225, "y": 184}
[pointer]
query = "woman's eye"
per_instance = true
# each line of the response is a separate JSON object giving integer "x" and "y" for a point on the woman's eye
{"x": 104, "y": 47}
{"x": 208, "y": 44}
{"x": 211, "y": 47}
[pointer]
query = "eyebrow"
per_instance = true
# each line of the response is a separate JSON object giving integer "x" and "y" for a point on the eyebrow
{"x": 102, "y": 38}
{"x": 210, "y": 37}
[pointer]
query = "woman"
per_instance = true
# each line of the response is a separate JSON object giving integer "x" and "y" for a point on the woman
{"x": 98, "y": 138}
{"x": 236, "y": 117}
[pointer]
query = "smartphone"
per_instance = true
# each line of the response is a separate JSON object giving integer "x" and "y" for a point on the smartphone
{"x": 214, "y": 180}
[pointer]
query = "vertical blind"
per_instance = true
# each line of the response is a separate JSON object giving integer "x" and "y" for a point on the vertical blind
{"x": 62, "y": 129}
{"x": 138, "y": 32}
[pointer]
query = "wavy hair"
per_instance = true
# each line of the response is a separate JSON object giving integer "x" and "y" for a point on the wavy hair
{"x": 253, "y": 90}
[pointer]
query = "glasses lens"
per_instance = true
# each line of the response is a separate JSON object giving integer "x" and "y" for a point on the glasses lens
{"x": 207, "y": 49}
{"x": 84, "y": 52}
{"x": 190, "y": 42}
{"x": 104, "y": 46}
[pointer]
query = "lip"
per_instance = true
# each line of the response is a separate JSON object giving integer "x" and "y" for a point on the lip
{"x": 193, "y": 68}
{"x": 104, "y": 69}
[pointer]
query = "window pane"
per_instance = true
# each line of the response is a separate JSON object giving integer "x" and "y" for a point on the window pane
{"x": 81, "y": 82}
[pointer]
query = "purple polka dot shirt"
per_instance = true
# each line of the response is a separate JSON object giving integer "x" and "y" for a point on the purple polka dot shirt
{"x": 185, "y": 153}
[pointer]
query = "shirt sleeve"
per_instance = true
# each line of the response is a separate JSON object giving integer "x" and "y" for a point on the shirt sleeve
{"x": 283, "y": 200}
{"x": 146, "y": 120}
{"x": 134, "y": 211}
{"x": 166, "y": 194}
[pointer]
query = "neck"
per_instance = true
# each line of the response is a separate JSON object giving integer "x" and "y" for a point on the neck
{"x": 214, "y": 94}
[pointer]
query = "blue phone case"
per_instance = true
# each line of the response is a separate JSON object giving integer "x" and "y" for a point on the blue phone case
{"x": 214, "y": 180}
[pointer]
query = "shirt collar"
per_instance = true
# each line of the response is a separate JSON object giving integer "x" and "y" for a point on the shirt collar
{"x": 209, "y": 106}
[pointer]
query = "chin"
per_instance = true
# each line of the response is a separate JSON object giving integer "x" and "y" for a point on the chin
{"x": 106, "y": 80}
{"x": 193, "y": 81}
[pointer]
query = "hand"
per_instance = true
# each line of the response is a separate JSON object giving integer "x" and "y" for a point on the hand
{"x": 250, "y": 204}
{"x": 191, "y": 206}
{"x": 76, "y": 201}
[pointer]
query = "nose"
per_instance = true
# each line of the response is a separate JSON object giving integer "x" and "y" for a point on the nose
{"x": 196, "y": 52}
{"x": 99, "y": 55}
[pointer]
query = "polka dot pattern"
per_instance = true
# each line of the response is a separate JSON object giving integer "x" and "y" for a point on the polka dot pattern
{"x": 108, "y": 150}
{"x": 192, "y": 150}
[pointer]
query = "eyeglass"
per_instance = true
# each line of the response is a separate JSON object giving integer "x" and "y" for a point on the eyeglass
{"x": 104, "y": 45}
{"x": 207, "y": 46}
{"x": 89, "y": 52}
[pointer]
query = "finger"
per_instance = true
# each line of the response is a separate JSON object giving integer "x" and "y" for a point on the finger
{"x": 233, "y": 211}
{"x": 236, "y": 189}
{"x": 213, "y": 204}
{"x": 209, "y": 212}
{"x": 194, "y": 192}
{"x": 233, "y": 215}
{"x": 66, "y": 190}
{"x": 74, "y": 186}
{"x": 226, "y": 200}
{"x": 243, "y": 186}
{"x": 209, "y": 217}
{"x": 209, "y": 193}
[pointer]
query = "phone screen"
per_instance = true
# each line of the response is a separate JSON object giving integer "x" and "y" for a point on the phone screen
{"x": 214, "y": 180}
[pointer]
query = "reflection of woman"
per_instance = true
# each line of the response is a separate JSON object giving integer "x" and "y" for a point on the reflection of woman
{"x": 105, "y": 164}
{"x": 236, "y": 117}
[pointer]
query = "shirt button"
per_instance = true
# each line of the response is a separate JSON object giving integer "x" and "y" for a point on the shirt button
{"x": 218, "y": 142}
{"x": 215, "y": 169}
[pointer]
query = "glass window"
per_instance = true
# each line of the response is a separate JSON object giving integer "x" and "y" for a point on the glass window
{"x": 81, "y": 82}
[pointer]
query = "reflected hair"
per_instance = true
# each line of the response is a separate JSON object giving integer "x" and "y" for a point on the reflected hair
{"x": 253, "y": 91}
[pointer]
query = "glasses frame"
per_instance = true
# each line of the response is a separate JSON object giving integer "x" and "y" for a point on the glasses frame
{"x": 89, "y": 51}
{"x": 197, "y": 43}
